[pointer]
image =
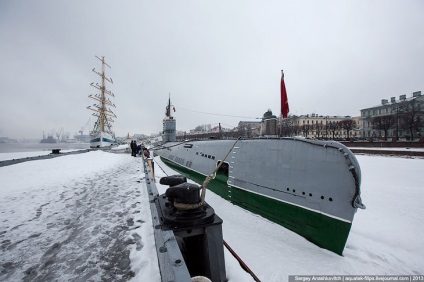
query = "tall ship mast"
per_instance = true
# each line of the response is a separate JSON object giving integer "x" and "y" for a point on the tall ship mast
{"x": 102, "y": 134}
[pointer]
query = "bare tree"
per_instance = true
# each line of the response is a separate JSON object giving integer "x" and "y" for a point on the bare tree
{"x": 348, "y": 125}
{"x": 305, "y": 129}
{"x": 419, "y": 123}
{"x": 319, "y": 128}
{"x": 383, "y": 123}
{"x": 410, "y": 119}
{"x": 333, "y": 126}
{"x": 248, "y": 131}
{"x": 242, "y": 130}
{"x": 288, "y": 126}
{"x": 287, "y": 130}
{"x": 295, "y": 130}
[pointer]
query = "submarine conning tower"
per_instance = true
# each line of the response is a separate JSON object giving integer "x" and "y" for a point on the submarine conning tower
{"x": 169, "y": 124}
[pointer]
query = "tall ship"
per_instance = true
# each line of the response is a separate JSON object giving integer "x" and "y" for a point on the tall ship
{"x": 311, "y": 187}
{"x": 102, "y": 134}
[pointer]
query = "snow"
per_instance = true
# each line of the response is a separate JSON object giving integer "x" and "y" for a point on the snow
{"x": 76, "y": 216}
{"x": 87, "y": 217}
{"x": 22, "y": 155}
{"x": 121, "y": 147}
{"x": 388, "y": 149}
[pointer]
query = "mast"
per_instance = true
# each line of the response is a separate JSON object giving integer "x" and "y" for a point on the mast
{"x": 169, "y": 124}
{"x": 168, "y": 108}
{"x": 101, "y": 110}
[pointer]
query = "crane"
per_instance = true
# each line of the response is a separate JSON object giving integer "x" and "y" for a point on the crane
{"x": 85, "y": 126}
{"x": 58, "y": 134}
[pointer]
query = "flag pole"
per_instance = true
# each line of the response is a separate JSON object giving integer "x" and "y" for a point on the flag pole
{"x": 284, "y": 101}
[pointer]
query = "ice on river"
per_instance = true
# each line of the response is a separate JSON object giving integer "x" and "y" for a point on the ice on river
{"x": 86, "y": 218}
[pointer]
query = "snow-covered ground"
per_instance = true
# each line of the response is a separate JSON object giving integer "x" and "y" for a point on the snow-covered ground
{"x": 389, "y": 149}
{"x": 86, "y": 218}
{"x": 21, "y": 155}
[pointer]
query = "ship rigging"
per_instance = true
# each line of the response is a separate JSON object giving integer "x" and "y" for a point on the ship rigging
{"x": 102, "y": 134}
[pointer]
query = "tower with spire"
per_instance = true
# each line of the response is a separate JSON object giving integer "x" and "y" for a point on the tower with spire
{"x": 169, "y": 124}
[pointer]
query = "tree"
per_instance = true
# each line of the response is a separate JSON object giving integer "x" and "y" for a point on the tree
{"x": 419, "y": 123}
{"x": 199, "y": 128}
{"x": 248, "y": 131}
{"x": 295, "y": 130}
{"x": 287, "y": 129}
{"x": 348, "y": 125}
{"x": 410, "y": 119}
{"x": 242, "y": 130}
{"x": 333, "y": 126}
{"x": 319, "y": 128}
{"x": 383, "y": 123}
{"x": 305, "y": 129}
{"x": 288, "y": 126}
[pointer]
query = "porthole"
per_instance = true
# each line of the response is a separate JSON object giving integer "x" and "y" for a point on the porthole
{"x": 331, "y": 199}
{"x": 310, "y": 194}
{"x": 288, "y": 189}
{"x": 322, "y": 197}
{"x": 303, "y": 193}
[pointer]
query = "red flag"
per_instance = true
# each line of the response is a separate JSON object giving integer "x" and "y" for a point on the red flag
{"x": 284, "y": 101}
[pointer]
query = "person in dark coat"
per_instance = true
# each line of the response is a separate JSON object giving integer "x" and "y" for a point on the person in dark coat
{"x": 132, "y": 146}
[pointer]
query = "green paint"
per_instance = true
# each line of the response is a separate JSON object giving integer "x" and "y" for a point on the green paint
{"x": 324, "y": 231}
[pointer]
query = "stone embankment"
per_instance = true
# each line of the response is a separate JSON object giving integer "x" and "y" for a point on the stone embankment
{"x": 402, "y": 148}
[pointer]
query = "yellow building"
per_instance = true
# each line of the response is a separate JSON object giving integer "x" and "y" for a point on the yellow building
{"x": 320, "y": 126}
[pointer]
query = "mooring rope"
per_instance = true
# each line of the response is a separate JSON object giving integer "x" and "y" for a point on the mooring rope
{"x": 183, "y": 206}
{"x": 161, "y": 147}
{"x": 232, "y": 252}
{"x": 241, "y": 262}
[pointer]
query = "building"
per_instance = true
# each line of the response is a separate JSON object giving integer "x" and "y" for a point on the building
{"x": 249, "y": 128}
{"x": 320, "y": 126}
{"x": 401, "y": 118}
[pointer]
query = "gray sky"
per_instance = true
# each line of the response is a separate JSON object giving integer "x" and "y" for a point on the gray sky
{"x": 222, "y": 57}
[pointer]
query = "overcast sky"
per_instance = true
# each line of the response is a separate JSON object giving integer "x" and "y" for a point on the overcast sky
{"x": 221, "y": 57}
